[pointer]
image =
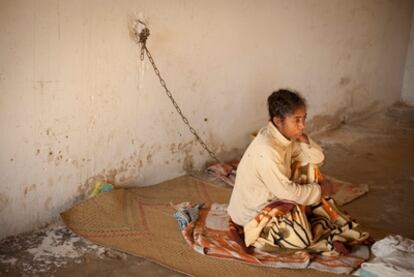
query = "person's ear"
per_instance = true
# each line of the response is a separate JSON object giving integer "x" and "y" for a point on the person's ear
{"x": 277, "y": 121}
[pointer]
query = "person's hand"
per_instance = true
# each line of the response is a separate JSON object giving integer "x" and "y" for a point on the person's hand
{"x": 326, "y": 188}
{"x": 303, "y": 138}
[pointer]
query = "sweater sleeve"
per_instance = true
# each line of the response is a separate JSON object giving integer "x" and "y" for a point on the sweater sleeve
{"x": 270, "y": 171}
{"x": 307, "y": 153}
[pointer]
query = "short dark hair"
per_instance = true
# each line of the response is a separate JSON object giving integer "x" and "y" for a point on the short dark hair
{"x": 283, "y": 102}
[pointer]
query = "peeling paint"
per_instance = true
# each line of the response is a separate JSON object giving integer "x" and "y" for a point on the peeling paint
{"x": 129, "y": 170}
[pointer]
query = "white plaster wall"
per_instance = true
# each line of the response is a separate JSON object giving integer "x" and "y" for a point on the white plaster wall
{"x": 408, "y": 82}
{"x": 76, "y": 104}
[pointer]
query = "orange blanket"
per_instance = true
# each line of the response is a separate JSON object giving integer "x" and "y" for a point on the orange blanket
{"x": 208, "y": 230}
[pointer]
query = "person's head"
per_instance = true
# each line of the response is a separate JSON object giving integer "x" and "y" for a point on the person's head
{"x": 287, "y": 111}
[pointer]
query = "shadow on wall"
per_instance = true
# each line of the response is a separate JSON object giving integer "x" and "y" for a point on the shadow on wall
{"x": 322, "y": 123}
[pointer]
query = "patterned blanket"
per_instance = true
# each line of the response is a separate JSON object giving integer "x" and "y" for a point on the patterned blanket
{"x": 207, "y": 228}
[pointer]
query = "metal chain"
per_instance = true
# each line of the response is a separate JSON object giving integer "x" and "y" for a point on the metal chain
{"x": 142, "y": 39}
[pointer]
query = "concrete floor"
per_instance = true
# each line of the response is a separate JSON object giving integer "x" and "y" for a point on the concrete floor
{"x": 378, "y": 151}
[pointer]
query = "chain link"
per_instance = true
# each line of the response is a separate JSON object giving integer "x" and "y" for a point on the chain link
{"x": 143, "y": 35}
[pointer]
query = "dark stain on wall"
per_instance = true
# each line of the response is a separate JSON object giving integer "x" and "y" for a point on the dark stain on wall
{"x": 344, "y": 81}
{"x": 4, "y": 201}
{"x": 29, "y": 188}
{"x": 342, "y": 116}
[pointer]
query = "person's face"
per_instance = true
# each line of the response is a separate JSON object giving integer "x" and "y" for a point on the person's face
{"x": 293, "y": 125}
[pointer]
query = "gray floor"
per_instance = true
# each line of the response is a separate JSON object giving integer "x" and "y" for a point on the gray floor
{"x": 378, "y": 151}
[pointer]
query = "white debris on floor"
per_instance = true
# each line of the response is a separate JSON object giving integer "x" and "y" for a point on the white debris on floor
{"x": 54, "y": 245}
{"x": 48, "y": 249}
